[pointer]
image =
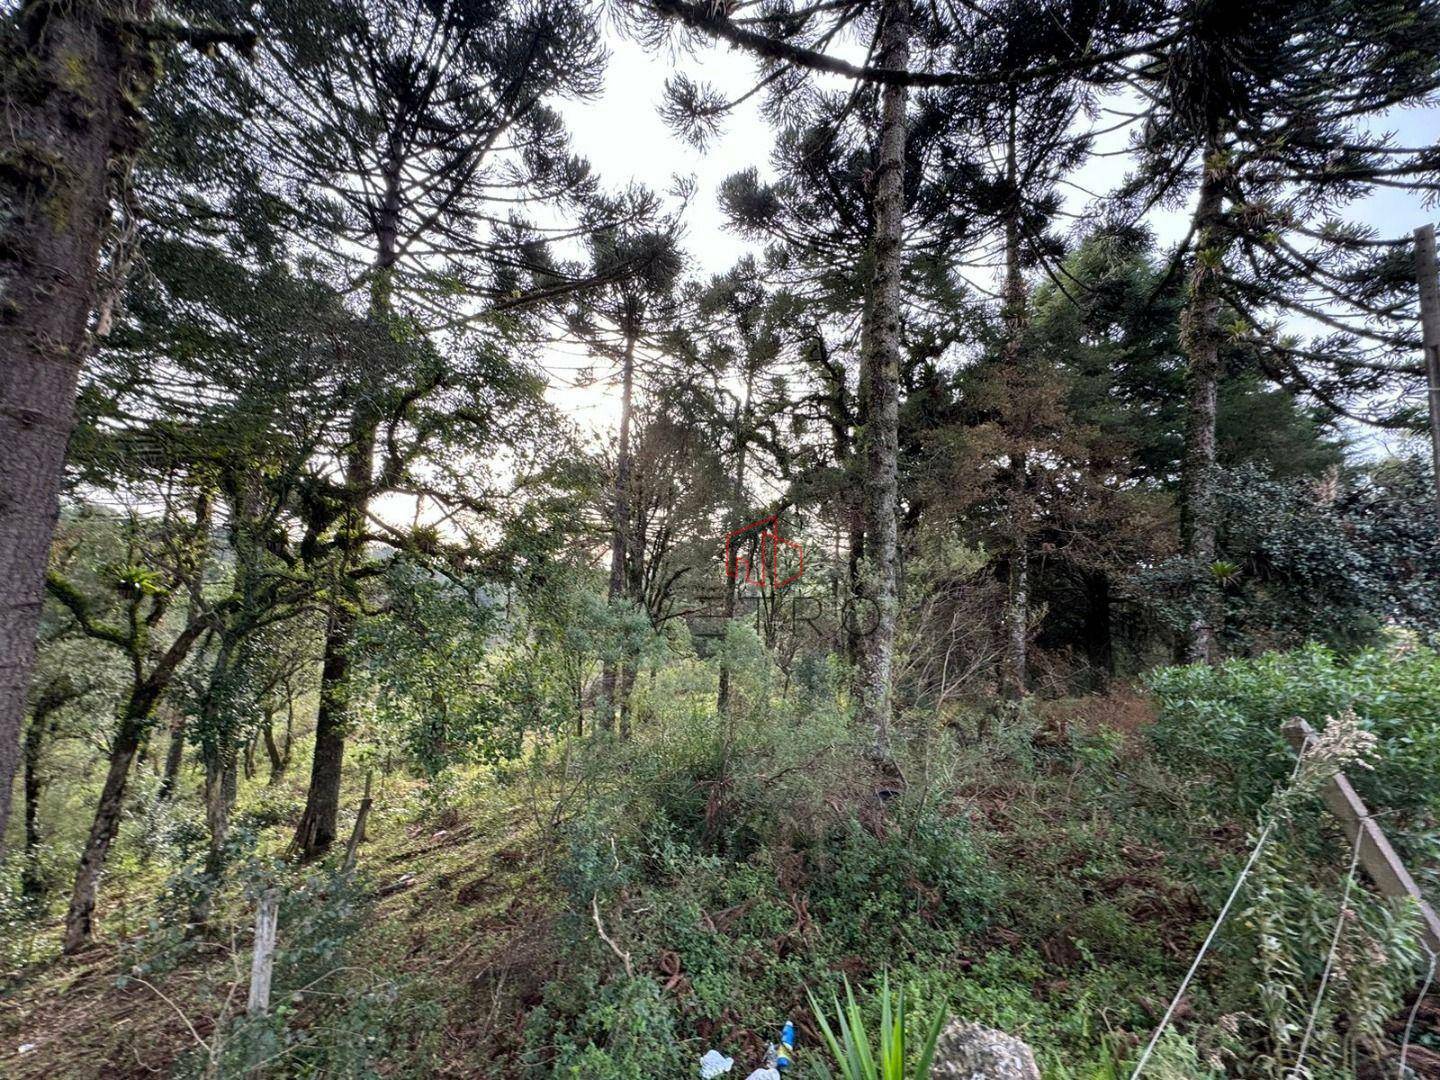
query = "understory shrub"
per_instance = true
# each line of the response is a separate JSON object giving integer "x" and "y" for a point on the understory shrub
{"x": 923, "y": 883}
{"x": 1224, "y": 724}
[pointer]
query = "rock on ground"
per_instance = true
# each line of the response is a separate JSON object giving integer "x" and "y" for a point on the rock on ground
{"x": 968, "y": 1051}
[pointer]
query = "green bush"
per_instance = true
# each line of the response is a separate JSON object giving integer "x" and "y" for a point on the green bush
{"x": 589, "y": 1029}
{"x": 1225, "y": 722}
{"x": 921, "y": 883}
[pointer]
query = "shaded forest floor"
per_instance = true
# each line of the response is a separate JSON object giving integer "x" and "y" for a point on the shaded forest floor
{"x": 461, "y": 901}
{"x": 1048, "y": 878}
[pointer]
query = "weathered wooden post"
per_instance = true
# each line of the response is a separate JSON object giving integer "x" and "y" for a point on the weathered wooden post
{"x": 1376, "y": 855}
{"x": 262, "y": 960}
{"x": 359, "y": 833}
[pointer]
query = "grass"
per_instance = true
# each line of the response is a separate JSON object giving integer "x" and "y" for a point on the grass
{"x": 1050, "y": 881}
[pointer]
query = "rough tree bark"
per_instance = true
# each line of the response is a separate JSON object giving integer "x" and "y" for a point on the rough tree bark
{"x": 316, "y": 831}
{"x": 1016, "y": 637}
{"x": 135, "y": 718}
{"x": 80, "y": 917}
{"x": 613, "y": 682}
{"x": 880, "y": 391}
{"x": 1200, "y": 338}
{"x": 30, "y": 880}
{"x": 66, "y": 135}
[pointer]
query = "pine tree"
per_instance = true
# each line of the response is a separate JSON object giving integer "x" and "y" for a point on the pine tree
{"x": 1266, "y": 110}
{"x": 631, "y": 310}
{"x": 402, "y": 134}
{"x": 75, "y": 76}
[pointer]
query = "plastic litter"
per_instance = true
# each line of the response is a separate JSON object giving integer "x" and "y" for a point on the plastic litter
{"x": 778, "y": 1058}
{"x": 785, "y": 1053}
{"x": 715, "y": 1064}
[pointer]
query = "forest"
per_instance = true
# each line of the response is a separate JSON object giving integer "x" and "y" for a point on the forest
{"x": 611, "y": 539}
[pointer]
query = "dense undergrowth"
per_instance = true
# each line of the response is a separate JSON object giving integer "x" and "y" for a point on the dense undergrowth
{"x": 609, "y": 909}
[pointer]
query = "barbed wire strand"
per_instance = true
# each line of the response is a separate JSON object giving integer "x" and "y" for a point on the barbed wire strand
{"x": 1415, "y": 1009}
{"x": 1210, "y": 937}
{"x": 1295, "y": 1070}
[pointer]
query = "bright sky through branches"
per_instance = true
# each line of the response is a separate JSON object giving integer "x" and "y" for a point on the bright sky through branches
{"x": 623, "y": 135}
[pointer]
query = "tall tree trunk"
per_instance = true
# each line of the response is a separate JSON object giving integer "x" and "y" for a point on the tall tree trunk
{"x": 316, "y": 831}
{"x": 30, "y": 878}
{"x": 135, "y": 718}
{"x": 41, "y": 727}
{"x": 62, "y": 135}
{"x": 79, "y": 918}
{"x": 1016, "y": 637}
{"x": 854, "y": 568}
{"x": 221, "y": 786}
{"x": 289, "y": 743}
{"x": 880, "y": 390}
{"x": 175, "y": 749}
{"x": 841, "y": 416}
{"x": 174, "y": 755}
{"x": 1200, "y": 338}
{"x": 217, "y": 729}
{"x": 612, "y": 681}
{"x": 737, "y": 496}
{"x": 272, "y": 752}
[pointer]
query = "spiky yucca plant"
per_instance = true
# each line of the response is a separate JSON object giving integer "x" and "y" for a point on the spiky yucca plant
{"x": 853, "y": 1051}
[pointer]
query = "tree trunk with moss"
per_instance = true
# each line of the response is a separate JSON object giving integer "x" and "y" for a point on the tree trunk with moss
{"x": 30, "y": 879}
{"x": 880, "y": 394}
{"x": 70, "y": 79}
{"x": 134, "y": 721}
{"x": 1200, "y": 337}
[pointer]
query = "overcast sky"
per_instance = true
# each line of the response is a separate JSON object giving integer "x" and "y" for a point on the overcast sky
{"x": 622, "y": 134}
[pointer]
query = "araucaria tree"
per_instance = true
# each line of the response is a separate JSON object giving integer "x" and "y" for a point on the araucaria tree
{"x": 711, "y": 587}
{"x": 1268, "y": 113}
{"x": 404, "y": 135}
{"x": 73, "y": 79}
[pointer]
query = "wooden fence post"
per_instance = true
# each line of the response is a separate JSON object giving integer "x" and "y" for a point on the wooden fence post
{"x": 1376, "y": 855}
{"x": 262, "y": 960}
{"x": 359, "y": 833}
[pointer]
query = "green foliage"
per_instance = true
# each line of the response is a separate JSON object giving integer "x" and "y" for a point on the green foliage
{"x": 328, "y": 1016}
{"x": 923, "y": 882}
{"x": 712, "y": 849}
{"x": 1222, "y": 725}
{"x": 1285, "y": 937}
{"x": 857, "y": 1057}
{"x": 619, "y": 1029}
{"x": 450, "y": 686}
{"x": 1332, "y": 560}
{"x": 1224, "y": 722}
